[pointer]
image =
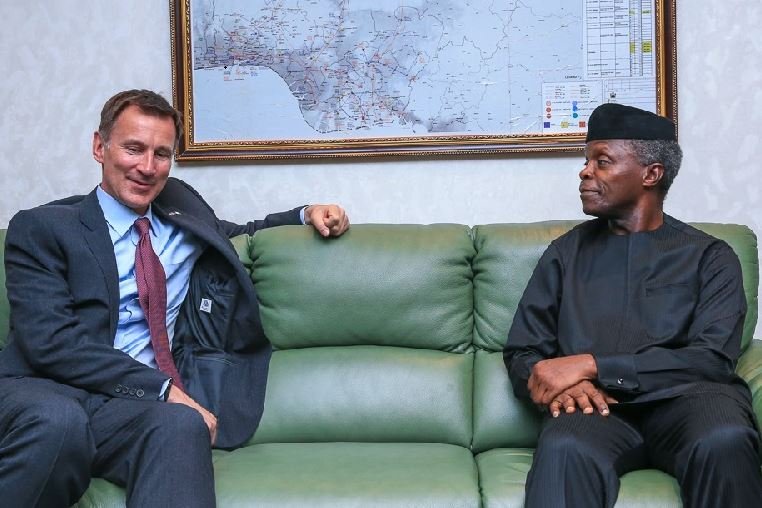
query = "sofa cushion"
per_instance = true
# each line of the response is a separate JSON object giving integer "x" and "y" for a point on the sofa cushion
{"x": 368, "y": 393}
{"x": 500, "y": 419}
{"x": 506, "y": 255}
{"x": 503, "y": 472}
{"x": 339, "y": 475}
{"x": 502, "y": 475}
{"x": 401, "y": 285}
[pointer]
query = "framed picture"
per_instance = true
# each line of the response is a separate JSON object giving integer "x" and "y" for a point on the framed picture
{"x": 259, "y": 79}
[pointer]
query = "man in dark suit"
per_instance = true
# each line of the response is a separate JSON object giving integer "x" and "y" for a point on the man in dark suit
{"x": 88, "y": 386}
{"x": 627, "y": 336}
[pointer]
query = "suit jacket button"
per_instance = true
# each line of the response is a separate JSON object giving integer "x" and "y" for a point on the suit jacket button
{"x": 118, "y": 389}
{"x": 140, "y": 393}
{"x": 132, "y": 391}
{"x": 620, "y": 381}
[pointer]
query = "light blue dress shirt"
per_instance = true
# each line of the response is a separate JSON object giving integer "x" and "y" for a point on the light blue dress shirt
{"x": 178, "y": 251}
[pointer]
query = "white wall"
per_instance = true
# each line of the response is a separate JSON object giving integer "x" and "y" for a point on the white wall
{"x": 61, "y": 60}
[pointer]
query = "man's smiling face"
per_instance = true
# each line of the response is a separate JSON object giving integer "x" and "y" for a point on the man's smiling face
{"x": 137, "y": 157}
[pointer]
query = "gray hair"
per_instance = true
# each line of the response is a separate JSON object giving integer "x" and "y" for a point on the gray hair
{"x": 668, "y": 153}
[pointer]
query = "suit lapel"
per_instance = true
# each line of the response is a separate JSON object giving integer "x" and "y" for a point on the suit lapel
{"x": 203, "y": 224}
{"x": 95, "y": 232}
{"x": 192, "y": 223}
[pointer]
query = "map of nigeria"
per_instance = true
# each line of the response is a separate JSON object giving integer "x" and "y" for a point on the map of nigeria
{"x": 334, "y": 69}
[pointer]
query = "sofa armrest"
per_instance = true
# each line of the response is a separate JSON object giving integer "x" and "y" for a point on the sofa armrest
{"x": 750, "y": 368}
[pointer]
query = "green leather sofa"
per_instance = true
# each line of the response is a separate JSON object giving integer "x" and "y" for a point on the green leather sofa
{"x": 387, "y": 387}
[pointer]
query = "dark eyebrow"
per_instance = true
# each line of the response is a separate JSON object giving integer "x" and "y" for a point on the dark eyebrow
{"x": 129, "y": 141}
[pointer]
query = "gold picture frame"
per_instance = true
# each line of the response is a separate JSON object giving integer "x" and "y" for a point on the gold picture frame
{"x": 659, "y": 46}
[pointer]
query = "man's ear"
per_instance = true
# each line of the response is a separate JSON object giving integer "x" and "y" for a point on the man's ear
{"x": 98, "y": 147}
{"x": 653, "y": 174}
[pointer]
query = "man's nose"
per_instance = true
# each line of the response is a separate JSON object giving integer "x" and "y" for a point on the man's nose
{"x": 148, "y": 163}
{"x": 585, "y": 172}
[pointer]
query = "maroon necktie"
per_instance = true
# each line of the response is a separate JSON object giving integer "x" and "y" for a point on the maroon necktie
{"x": 152, "y": 293}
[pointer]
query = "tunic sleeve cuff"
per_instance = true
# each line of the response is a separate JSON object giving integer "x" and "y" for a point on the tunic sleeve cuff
{"x": 617, "y": 372}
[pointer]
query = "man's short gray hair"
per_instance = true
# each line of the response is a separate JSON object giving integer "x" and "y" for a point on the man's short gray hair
{"x": 668, "y": 153}
{"x": 149, "y": 103}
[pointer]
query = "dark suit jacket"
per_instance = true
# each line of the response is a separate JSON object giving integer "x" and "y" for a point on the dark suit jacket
{"x": 62, "y": 286}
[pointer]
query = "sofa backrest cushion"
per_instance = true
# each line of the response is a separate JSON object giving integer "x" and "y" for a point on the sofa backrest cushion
{"x": 504, "y": 262}
{"x": 401, "y": 285}
{"x": 368, "y": 394}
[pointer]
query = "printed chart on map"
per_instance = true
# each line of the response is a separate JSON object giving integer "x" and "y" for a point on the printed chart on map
{"x": 319, "y": 71}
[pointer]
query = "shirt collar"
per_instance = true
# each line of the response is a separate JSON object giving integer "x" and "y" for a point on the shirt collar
{"x": 119, "y": 217}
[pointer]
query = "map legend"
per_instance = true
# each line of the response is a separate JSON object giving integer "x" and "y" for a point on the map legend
{"x": 568, "y": 105}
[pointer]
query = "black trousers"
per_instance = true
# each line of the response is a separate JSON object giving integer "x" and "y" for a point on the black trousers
{"x": 707, "y": 441}
{"x": 54, "y": 437}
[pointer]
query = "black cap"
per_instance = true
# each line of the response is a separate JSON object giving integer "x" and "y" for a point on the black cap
{"x": 616, "y": 121}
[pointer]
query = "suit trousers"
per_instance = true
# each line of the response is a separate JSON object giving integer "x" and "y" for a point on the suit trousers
{"x": 54, "y": 438}
{"x": 707, "y": 441}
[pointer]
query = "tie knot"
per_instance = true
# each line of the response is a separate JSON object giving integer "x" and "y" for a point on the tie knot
{"x": 142, "y": 225}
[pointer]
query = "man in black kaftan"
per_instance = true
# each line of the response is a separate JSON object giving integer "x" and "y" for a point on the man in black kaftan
{"x": 628, "y": 335}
